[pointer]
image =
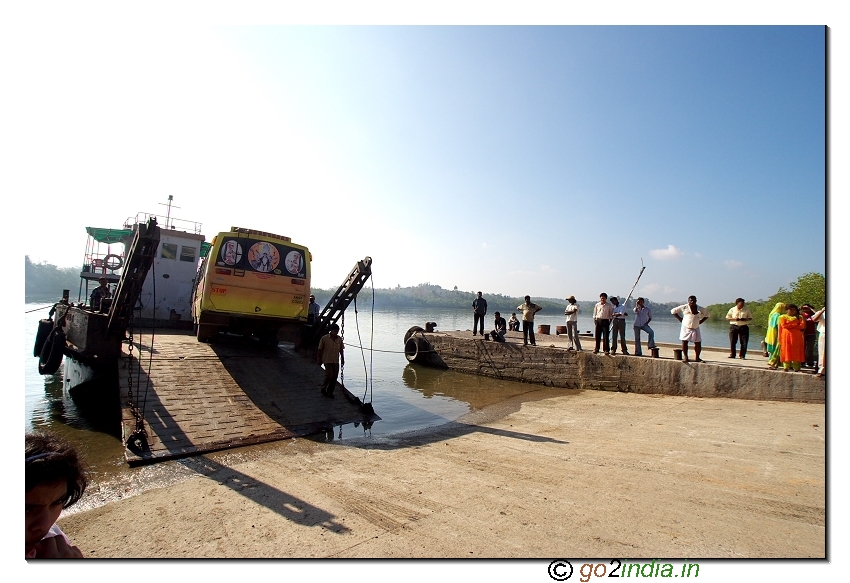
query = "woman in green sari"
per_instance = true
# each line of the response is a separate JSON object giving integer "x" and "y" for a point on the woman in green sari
{"x": 771, "y": 338}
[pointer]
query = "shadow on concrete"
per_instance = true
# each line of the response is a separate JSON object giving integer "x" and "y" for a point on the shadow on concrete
{"x": 451, "y": 430}
{"x": 289, "y": 507}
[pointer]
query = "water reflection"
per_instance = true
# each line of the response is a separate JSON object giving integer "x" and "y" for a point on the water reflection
{"x": 475, "y": 391}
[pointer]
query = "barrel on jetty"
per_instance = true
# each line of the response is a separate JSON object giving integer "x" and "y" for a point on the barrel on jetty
{"x": 543, "y": 329}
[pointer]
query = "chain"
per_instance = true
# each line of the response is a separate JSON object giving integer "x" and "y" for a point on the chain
{"x": 139, "y": 438}
{"x": 342, "y": 366}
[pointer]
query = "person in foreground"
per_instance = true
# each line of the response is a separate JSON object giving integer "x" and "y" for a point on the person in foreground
{"x": 55, "y": 480}
{"x": 691, "y": 316}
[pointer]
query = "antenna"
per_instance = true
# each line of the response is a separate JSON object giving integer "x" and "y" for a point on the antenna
{"x": 168, "y": 212}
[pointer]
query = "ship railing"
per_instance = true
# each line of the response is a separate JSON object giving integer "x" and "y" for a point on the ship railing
{"x": 165, "y": 222}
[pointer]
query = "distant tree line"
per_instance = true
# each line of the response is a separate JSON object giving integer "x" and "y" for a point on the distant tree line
{"x": 426, "y": 295}
{"x": 44, "y": 282}
{"x": 809, "y": 288}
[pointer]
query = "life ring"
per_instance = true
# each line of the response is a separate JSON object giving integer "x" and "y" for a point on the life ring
{"x": 51, "y": 352}
{"x": 44, "y": 328}
{"x": 113, "y": 265}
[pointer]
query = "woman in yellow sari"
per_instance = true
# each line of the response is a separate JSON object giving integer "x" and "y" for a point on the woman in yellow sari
{"x": 771, "y": 338}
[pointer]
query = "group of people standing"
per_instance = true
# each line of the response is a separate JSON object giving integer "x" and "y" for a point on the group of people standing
{"x": 791, "y": 338}
{"x": 611, "y": 315}
{"x": 796, "y": 338}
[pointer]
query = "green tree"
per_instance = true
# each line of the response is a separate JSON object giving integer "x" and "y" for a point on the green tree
{"x": 809, "y": 288}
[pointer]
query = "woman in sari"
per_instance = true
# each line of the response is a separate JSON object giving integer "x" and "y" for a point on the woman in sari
{"x": 792, "y": 342}
{"x": 771, "y": 338}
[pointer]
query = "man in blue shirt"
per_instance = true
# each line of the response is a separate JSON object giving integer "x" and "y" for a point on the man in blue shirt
{"x": 643, "y": 316}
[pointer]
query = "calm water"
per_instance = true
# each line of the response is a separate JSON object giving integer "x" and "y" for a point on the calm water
{"x": 405, "y": 396}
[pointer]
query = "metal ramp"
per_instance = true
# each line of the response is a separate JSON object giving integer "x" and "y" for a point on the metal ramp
{"x": 342, "y": 298}
{"x": 139, "y": 260}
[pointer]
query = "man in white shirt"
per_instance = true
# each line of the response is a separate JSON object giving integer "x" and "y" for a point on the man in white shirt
{"x": 571, "y": 312}
{"x": 691, "y": 316}
{"x": 739, "y": 317}
{"x": 618, "y": 315}
{"x": 602, "y": 314}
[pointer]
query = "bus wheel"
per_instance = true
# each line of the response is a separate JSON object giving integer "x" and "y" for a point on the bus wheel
{"x": 206, "y": 332}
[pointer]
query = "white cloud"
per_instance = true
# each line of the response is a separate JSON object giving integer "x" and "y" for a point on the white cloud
{"x": 547, "y": 269}
{"x": 732, "y": 264}
{"x": 483, "y": 245}
{"x": 668, "y": 254}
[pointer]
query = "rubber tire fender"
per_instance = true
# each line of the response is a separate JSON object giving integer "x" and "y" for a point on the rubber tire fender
{"x": 413, "y": 349}
{"x": 44, "y": 328}
{"x": 52, "y": 352}
{"x": 411, "y": 332}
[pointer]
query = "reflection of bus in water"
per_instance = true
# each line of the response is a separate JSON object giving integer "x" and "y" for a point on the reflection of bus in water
{"x": 252, "y": 283}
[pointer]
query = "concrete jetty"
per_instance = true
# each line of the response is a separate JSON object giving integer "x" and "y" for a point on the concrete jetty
{"x": 550, "y": 473}
{"x": 550, "y": 363}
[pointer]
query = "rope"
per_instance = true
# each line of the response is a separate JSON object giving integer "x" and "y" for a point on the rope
{"x": 362, "y": 353}
{"x": 371, "y": 342}
{"x": 37, "y": 309}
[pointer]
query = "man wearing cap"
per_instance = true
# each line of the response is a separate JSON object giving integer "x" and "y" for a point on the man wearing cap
{"x": 312, "y": 311}
{"x": 479, "y": 309}
{"x": 618, "y": 315}
{"x": 571, "y": 312}
{"x": 100, "y": 293}
{"x": 330, "y": 353}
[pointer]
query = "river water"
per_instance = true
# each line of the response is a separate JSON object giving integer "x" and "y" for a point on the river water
{"x": 405, "y": 396}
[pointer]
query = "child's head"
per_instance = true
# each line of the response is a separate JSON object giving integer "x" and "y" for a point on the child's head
{"x": 791, "y": 309}
{"x": 55, "y": 479}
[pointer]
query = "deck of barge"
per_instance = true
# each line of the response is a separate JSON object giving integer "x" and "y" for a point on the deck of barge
{"x": 233, "y": 392}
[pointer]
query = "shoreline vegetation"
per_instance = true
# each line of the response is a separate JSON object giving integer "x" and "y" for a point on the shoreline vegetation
{"x": 44, "y": 282}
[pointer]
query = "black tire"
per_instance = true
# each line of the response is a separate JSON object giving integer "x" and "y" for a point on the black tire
{"x": 44, "y": 328}
{"x": 411, "y": 332}
{"x": 413, "y": 349}
{"x": 52, "y": 352}
{"x": 206, "y": 332}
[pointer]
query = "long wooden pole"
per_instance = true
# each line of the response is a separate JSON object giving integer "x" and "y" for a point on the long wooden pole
{"x": 642, "y": 268}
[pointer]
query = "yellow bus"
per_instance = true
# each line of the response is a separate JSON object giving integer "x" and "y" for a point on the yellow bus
{"x": 252, "y": 283}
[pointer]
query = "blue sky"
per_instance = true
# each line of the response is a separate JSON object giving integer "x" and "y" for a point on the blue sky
{"x": 544, "y": 160}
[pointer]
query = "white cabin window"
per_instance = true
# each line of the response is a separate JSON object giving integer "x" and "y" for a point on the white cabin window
{"x": 168, "y": 251}
{"x": 188, "y": 253}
